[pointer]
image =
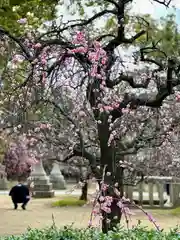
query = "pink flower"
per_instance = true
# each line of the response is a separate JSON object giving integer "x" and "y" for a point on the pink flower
{"x": 97, "y": 56}
{"x": 99, "y": 105}
{"x": 178, "y": 97}
{"x": 150, "y": 217}
{"x": 104, "y": 60}
{"x": 109, "y": 198}
{"x": 102, "y": 52}
{"x": 17, "y": 59}
{"x": 105, "y": 209}
{"x": 97, "y": 45}
{"x": 127, "y": 211}
{"x": 82, "y": 114}
{"x": 99, "y": 77}
{"x": 104, "y": 187}
{"x": 37, "y": 45}
{"x": 119, "y": 204}
{"x": 45, "y": 126}
{"x": 93, "y": 70}
{"x": 22, "y": 21}
{"x": 79, "y": 50}
{"x": 108, "y": 108}
{"x": 80, "y": 37}
{"x": 95, "y": 211}
{"x": 43, "y": 77}
{"x": 92, "y": 56}
{"x": 115, "y": 105}
{"x": 125, "y": 110}
{"x": 101, "y": 199}
{"x": 43, "y": 61}
{"x": 90, "y": 224}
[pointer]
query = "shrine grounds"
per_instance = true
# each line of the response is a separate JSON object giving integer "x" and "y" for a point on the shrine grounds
{"x": 40, "y": 214}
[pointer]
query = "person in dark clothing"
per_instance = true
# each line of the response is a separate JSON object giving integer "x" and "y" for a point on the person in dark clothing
{"x": 20, "y": 194}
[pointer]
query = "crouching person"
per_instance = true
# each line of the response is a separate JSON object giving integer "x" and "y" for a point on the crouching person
{"x": 20, "y": 194}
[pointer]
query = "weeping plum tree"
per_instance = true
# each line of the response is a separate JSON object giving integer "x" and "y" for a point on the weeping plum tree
{"x": 66, "y": 61}
{"x": 18, "y": 160}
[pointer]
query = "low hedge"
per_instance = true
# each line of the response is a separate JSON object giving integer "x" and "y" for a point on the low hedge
{"x": 69, "y": 233}
{"x": 68, "y": 202}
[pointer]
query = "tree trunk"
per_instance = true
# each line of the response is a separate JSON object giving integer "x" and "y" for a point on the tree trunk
{"x": 110, "y": 220}
{"x": 84, "y": 191}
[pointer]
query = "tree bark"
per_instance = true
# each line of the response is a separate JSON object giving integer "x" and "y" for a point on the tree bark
{"x": 84, "y": 191}
{"x": 112, "y": 219}
{"x": 108, "y": 161}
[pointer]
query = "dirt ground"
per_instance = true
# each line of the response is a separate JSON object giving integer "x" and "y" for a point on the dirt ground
{"x": 39, "y": 214}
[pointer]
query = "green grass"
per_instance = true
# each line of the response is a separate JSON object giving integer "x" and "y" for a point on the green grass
{"x": 175, "y": 211}
{"x": 68, "y": 201}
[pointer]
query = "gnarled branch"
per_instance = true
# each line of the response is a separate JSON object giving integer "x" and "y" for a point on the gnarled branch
{"x": 23, "y": 48}
{"x": 128, "y": 79}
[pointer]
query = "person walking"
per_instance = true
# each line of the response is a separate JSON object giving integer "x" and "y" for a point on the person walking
{"x": 20, "y": 194}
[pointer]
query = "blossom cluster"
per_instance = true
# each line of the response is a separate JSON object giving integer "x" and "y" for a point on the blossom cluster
{"x": 18, "y": 160}
{"x": 102, "y": 203}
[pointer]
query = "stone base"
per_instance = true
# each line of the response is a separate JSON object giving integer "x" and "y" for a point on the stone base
{"x": 43, "y": 194}
{"x": 3, "y": 184}
{"x": 58, "y": 185}
{"x": 71, "y": 181}
{"x": 42, "y": 188}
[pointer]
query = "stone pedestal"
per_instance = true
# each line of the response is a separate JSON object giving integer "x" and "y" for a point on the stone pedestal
{"x": 56, "y": 177}
{"x": 3, "y": 183}
{"x": 42, "y": 186}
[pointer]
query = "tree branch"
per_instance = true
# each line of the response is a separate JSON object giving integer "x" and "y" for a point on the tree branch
{"x": 78, "y": 151}
{"x": 68, "y": 157}
{"x": 82, "y": 23}
{"x": 164, "y": 91}
{"x": 128, "y": 79}
{"x": 114, "y": 43}
{"x": 114, "y": 3}
{"x": 23, "y": 48}
{"x": 141, "y": 142}
{"x": 163, "y": 2}
{"x": 132, "y": 39}
{"x": 65, "y": 115}
{"x": 152, "y": 49}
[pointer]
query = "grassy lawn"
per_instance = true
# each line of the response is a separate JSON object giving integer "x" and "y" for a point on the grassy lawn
{"x": 40, "y": 211}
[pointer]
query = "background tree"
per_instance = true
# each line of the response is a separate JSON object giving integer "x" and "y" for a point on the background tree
{"x": 18, "y": 160}
{"x": 36, "y": 12}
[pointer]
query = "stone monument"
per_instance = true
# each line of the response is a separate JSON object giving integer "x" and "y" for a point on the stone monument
{"x": 3, "y": 183}
{"x": 42, "y": 186}
{"x": 56, "y": 177}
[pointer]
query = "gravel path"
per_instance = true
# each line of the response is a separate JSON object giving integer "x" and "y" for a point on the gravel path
{"x": 39, "y": 214}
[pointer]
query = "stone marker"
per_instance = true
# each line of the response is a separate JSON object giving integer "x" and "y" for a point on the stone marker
{"x": 42, "y": 186}
{"x": 3, "y": 183}
{"x": 56, "y": 177}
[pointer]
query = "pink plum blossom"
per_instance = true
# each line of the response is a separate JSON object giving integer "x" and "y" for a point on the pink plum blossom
{"x": 22, "y": 21}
